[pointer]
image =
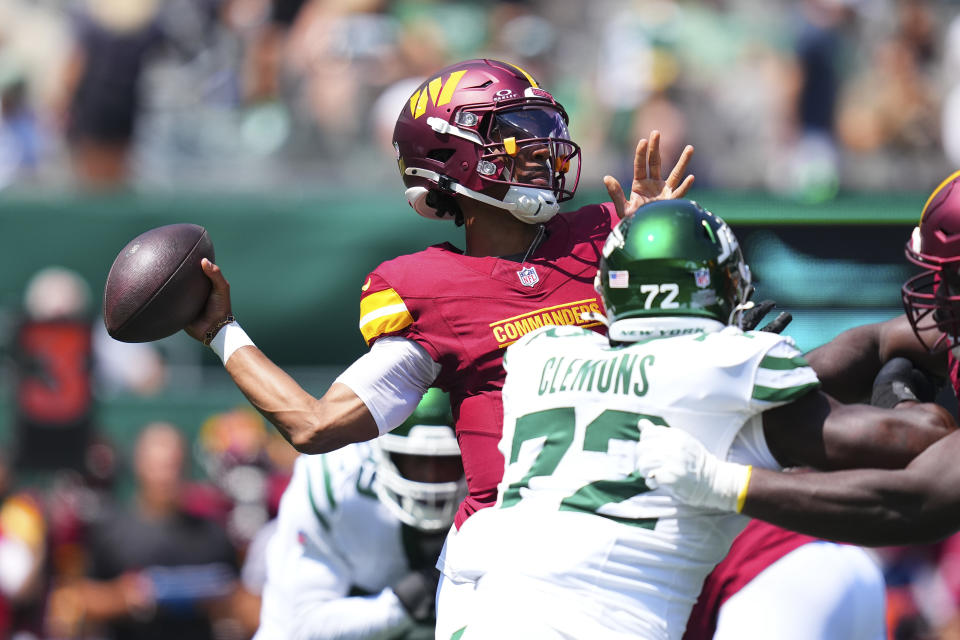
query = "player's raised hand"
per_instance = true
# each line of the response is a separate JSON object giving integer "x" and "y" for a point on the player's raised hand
{"x": 218, "y": 305}
{"x": 648, "y": 185}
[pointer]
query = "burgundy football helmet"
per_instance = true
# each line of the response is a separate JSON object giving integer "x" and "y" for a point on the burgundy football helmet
{"x": 932, "y": 297}
{"x": 485, "y": 130}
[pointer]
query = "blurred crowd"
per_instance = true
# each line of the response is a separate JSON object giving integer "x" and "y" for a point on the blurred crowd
{"x": 799, "y": 97}
{"x": 159, "y": 536}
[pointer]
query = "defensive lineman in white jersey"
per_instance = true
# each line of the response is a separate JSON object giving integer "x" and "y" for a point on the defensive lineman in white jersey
{"x": 578, "y": 546}
{"x": 356, "y": 541}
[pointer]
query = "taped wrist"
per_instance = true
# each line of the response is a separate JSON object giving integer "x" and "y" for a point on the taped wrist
{"x": 727, "y": 488}
{"x": 228, "y": 339}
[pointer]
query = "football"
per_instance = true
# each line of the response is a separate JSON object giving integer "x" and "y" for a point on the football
{"x": 156, "y": 287}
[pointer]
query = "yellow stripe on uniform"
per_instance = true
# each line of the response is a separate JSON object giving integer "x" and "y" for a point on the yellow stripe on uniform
{"x": 933, "y": 195}
{"x": 383, "y": 312}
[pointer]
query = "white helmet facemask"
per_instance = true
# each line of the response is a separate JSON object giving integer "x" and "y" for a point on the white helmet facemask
{"x": 428, "y": 506}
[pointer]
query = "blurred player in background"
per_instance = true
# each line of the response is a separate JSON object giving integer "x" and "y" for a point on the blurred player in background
{"x": 480, "y": 143}
{"x": 577, "y": 545}
{"x": 359, "y": 531}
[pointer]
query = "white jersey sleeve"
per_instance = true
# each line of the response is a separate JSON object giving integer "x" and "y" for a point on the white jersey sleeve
{"x": 782, "y": 374}
{"x": 332, "y": 536}
{"x": 391, "y": 379}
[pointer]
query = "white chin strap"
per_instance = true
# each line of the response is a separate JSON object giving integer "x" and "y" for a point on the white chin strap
{"x": 636, "y": 329}
{"x": 527, "y": 204}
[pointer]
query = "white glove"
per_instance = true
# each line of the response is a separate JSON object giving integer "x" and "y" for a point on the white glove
{"x": 675, "y": 461}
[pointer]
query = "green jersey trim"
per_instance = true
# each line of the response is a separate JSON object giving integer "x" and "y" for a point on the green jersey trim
{"x": 327, "y": 484}
{"x": 313, "y": 503}
{"x": 783, "y": 364}
{"x": 784, "y": 394}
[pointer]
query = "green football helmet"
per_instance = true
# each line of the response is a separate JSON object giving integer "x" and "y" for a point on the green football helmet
{"x": 672, "y": 268}
{"x": 419, "y": 470}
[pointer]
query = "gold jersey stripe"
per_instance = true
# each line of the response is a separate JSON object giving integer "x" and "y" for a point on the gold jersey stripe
{"x": 383, "y": 312}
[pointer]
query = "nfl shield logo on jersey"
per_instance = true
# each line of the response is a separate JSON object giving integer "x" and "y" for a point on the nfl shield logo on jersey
{"x": 702, "y": 278}
{"x": 528, "y": 276}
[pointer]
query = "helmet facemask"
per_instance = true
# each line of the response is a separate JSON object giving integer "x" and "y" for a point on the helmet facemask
{"x": 529, "y": 148}
{"x": 420, "y": 475}
{"x": 931, "y": 299}
{"x": 494, "y": 137}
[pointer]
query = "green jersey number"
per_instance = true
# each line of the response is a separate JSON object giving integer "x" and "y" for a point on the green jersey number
{"x": 557, "y": 426}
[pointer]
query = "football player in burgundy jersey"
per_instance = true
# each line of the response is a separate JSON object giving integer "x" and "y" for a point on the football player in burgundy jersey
{"x": 481, "y": 143}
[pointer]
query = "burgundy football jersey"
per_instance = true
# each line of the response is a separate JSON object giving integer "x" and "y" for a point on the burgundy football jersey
{"x": 758, "y": 546}
{"x": 466, "y": 310}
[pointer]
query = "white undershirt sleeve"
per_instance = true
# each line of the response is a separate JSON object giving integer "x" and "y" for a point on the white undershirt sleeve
{"x": 391, "y": 379}
{"x": 750, "y": 446}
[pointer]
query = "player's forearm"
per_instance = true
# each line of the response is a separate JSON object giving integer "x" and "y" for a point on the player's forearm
{"x": 867, "y": 507}
{"x": 847, "y": 365}
{"x": 859, "y": 436}
{"x": 311, "y": 425}
{"x": 351, "y": 618}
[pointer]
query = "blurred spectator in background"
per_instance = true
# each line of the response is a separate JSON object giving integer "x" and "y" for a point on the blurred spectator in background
{"x": 102, "y": 85}
{"x": 892, "y": 102}
{"x": 23, "y": 560}
{"x": 248, "y": 464}
{"x": 53, "y": 357}
{"x": 822, "y": 54}
{"x": 154, "y": 569}
{"x": 58, "y": 348}
{"x": 356, "y": 541}
{"x": 20, "y": 136}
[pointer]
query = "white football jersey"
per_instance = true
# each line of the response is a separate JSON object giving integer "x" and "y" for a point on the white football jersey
{"x": 575, "y": 526}
{"x": 334, "y": 539}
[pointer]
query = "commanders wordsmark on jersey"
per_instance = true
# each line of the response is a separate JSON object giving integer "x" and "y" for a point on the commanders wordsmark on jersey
{"x": 383, "y": 312}
{"x": 509, "y": 330}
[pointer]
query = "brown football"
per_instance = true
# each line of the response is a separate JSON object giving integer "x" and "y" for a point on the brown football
{"x": 156, "y": 287}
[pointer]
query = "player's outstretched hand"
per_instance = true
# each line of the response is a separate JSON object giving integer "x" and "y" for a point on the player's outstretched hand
{"x": 678, "y": 464}
{"x": 218, "y": 303}
{"x": 647, "y": 183}
{"x": 752, "y": 317}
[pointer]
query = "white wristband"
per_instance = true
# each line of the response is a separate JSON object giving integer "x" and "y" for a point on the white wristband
{"x": 230, "y": 338}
